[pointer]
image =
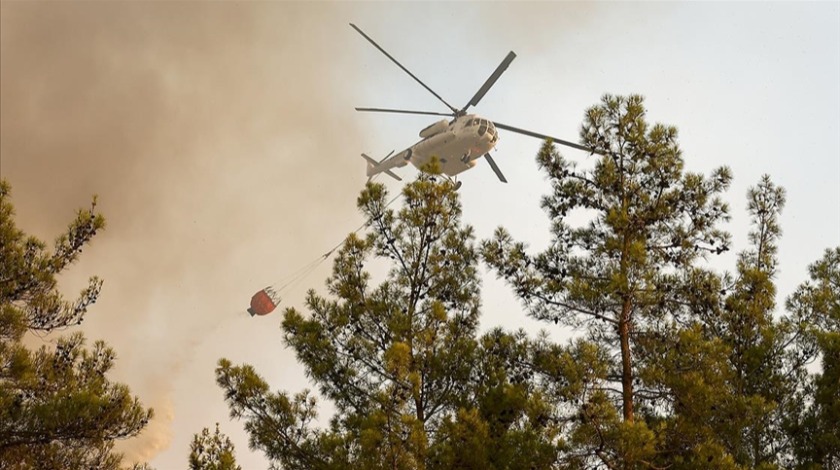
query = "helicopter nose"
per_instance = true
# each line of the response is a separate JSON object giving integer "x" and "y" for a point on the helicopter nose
{"x": 491, "y": 132}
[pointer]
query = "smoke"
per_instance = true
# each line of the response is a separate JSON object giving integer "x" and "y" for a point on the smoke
{"x": 155, "y": 438}
{"x": 221, "y": 143}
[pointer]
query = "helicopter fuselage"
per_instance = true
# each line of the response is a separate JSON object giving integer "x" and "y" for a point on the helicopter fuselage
{"x": 457, "y": 144}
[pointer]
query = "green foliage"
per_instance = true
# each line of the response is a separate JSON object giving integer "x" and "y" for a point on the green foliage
{"x": 816, "y": 304}
{"x": 628, "y": 276}
{"x": 214, "y": 452}
{"x": 28, "y": 284}
{"x": 57, "y": 408}
{"x": 694, "y": 412}
{"x": 412, "y": 384}
{"x": 675, "y": 367}
{"x": 508, "y": 420}
{"x": 763, "y": 356}
{"x": 704, "y": 371}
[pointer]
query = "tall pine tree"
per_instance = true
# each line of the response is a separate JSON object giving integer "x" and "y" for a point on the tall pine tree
{"x": 58, "y": 409}
{"x": 764, "y": 356}
{"x": 813, "y": 424}
{"x": 412, "y": 383}
{"x": 628, "y": 275}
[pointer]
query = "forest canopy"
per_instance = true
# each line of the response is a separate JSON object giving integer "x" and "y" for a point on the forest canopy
{"x": 675, "y": 366}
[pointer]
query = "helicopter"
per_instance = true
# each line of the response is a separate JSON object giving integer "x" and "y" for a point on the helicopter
{"x": 457, "y": 143}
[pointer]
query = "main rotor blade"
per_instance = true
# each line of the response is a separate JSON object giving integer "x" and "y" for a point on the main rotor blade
{"x": 495, "y": 167}
{"x": 402, "y": 111}
{"x": 543, "y": 136}
{"x": 404, "y": 69}
{"x": 491, "y": 81}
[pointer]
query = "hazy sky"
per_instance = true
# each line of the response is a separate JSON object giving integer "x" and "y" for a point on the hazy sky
{"x": 222, "y": 142}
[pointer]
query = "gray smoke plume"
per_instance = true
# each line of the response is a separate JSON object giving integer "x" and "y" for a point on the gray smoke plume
{"x": 223, "y": 147}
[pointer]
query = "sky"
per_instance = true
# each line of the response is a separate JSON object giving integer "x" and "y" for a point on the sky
{"x": 221, "y": 140}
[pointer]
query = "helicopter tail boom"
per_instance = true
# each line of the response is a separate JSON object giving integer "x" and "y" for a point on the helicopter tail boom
{"x": 374, "y": 167}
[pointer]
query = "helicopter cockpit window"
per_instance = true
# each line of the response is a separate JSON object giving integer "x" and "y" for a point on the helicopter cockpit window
{"x": 482, "y": 128}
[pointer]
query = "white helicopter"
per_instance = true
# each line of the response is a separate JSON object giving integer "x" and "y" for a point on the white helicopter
{"x": 457, "y": 143}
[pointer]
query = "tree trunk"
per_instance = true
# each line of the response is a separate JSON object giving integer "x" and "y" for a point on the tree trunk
{"x": 626, "y": 369}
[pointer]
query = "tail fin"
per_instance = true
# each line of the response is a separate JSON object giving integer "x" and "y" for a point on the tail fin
{"x": 374, "y": 168}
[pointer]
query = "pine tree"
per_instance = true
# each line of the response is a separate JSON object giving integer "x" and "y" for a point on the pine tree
{"x": 813, "y": 424}
{"x": 57, "y": 407}
{"x": 412, "y": 384}
{"x": 677, "y": 366}
{"x": 214, "y": 452}
{"x": 508, "y": 420}
{"x": 628, "y": 276}
{"x": 734, "y": 393}
{"x": 764, "y": 355}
